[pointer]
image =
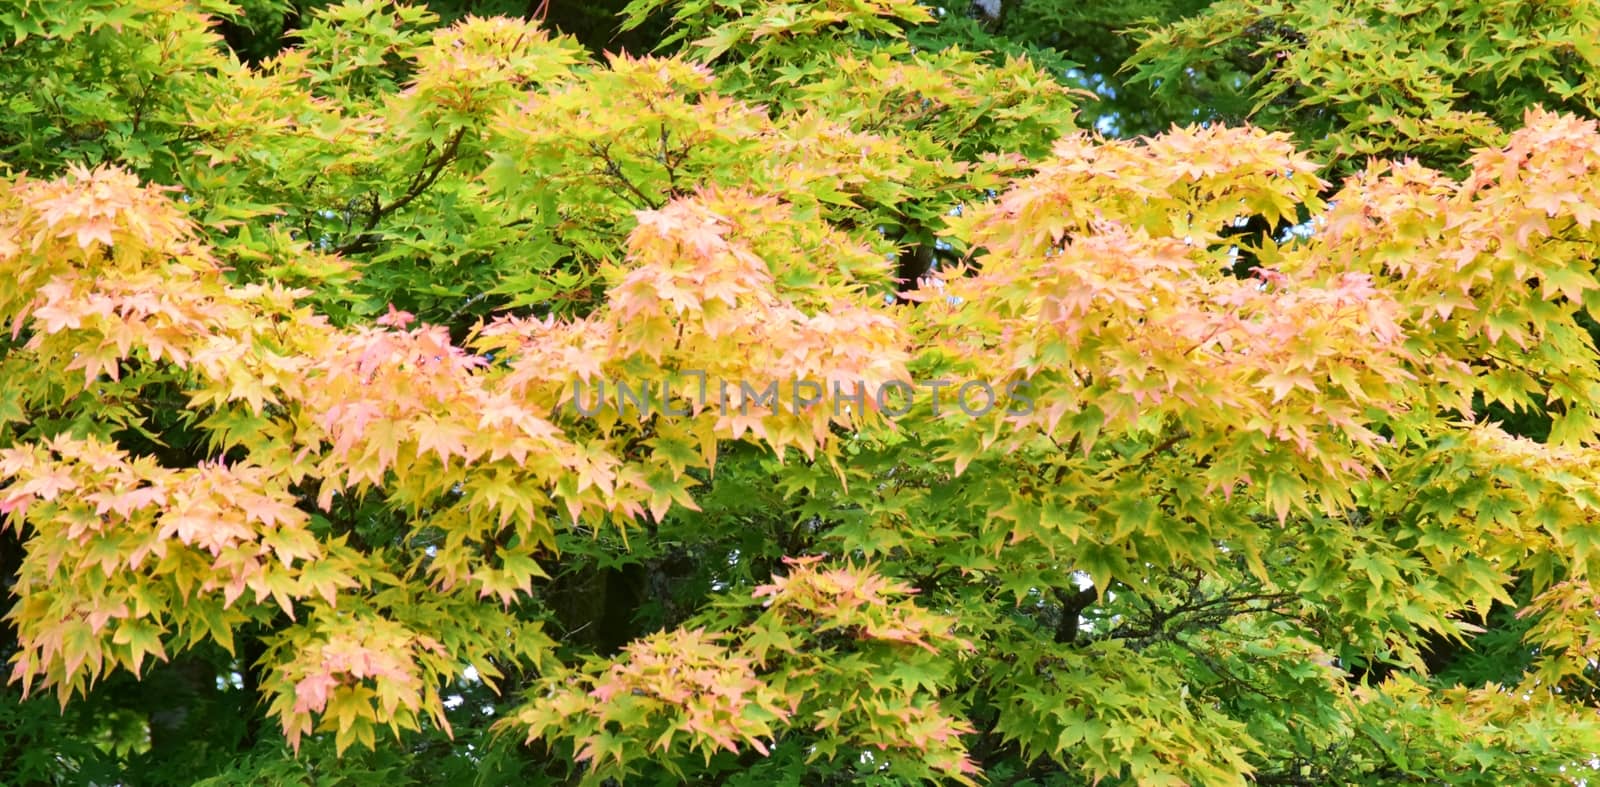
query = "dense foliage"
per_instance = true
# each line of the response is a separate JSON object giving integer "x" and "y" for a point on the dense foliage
{"x": 386, "y": 393}
{"x": 1388, "y": 79}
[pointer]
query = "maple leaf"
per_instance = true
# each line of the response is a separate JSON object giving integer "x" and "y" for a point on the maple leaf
{"x": 396, "y": 319}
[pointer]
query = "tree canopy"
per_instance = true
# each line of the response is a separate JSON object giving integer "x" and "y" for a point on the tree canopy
{"x": 799, "y": 392}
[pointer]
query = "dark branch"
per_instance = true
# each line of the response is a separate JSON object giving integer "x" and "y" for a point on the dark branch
{"x": 1072, "y": 607}
{"x": 420, "y": 182}
{"x": 614, "y": 171}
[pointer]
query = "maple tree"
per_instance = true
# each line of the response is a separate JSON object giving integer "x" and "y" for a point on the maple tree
{"x": 1392, "y": 79}
{"x": 304, "y": 446}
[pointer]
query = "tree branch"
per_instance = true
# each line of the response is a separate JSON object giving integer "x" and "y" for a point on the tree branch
{"x": 1072, "y": 608}
{"x": 614, "y": 171}
{"x": 420, "y": 182}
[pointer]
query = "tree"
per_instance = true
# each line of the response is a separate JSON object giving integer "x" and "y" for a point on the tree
{"x": 435, "y": 402}
{"x": 1391, "y": 80}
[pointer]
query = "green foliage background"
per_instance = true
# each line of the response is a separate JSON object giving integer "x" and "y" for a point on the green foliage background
{"x": 155, "y": 88}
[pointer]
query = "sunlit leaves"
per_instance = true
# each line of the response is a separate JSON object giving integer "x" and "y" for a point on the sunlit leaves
{"x": 674, "y": 692}
{"x": 446, "y": 319}
{"x": 1408, "y": 81}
